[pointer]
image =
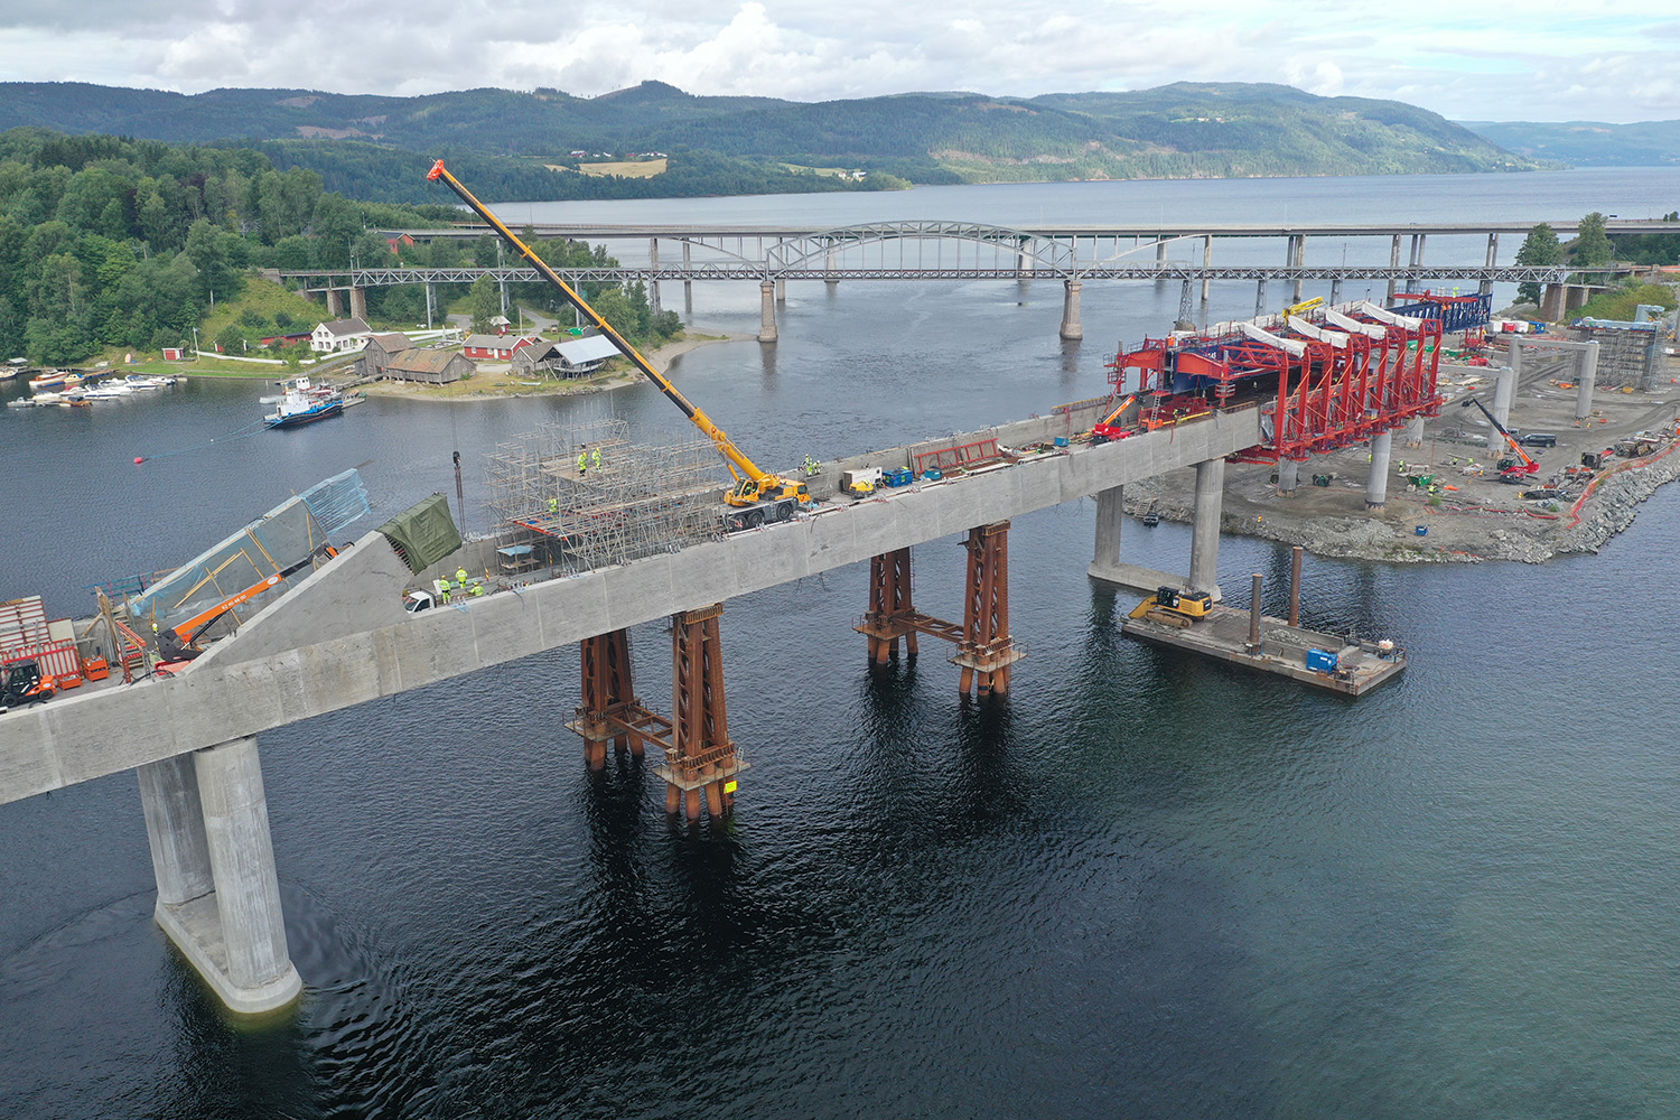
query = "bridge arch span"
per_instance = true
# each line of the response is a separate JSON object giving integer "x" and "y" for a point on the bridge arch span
{"x": 1018, "y": 247}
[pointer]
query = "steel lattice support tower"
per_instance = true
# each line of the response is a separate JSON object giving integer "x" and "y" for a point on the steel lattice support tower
{"x": 986, "y": 650}
{"x": 890, "y": 608}
{"x": 607, "y": 697}
{"x": 702, "y": 758}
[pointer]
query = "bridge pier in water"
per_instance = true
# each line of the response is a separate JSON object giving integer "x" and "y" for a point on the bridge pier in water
{"x": 701, "y": 764}
{"x": 218, "y": 897}
{"x": 1204, "y": 529}
{"x": 1071, "y": 327}
{"x": 767, "y": 311}
{"x": 985, "y": 649}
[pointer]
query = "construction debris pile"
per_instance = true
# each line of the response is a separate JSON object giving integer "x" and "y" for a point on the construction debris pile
{"x": 596, "y": 499}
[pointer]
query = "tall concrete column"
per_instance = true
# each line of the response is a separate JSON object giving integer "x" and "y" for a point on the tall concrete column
{"x": 1516, "y": 361}
{"x": 254, "y": 951}
{"x": 1393, "y": 262}
{"x": 1071, "y": 327}
{"x": 1376, "y": 482}
{"x": 1110, "y": 516}
{"x": 175, "y": 830}
{"x": 1207, "y": 281}
{"x": 431, "y": 302}
{"x": 1486, "y": 286}
{"x": 1297, "y": 259}
{"x": 1204, "y": 531}
{"x": 653, "y": 285}
{"x": 828, "y": 266}
{"x": 688, "y": 285}
{"x": 502, "y": 287}
{"x": 1504, "y": 388}
{"x": 1289, "y": 476}
{"x": 767, "y": 311}
{"x": 1160, "y": 250}
{"x": 335, "y": 303}
{"x": 1588, "y": 378}
{"x": 1335, "y": 291}
{"x": 1260, "y": 297}
{"x": 781, "y": 289}
{"x": 358, "y": 303}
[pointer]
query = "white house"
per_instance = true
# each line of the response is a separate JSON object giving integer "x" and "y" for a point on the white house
{"x": 340, "y": 334}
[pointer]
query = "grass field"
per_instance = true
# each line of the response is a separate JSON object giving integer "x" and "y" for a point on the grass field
{"x": 626, "y": 169}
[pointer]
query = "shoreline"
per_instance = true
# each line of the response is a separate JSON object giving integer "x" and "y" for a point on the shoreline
{"x": 499, "y": 383}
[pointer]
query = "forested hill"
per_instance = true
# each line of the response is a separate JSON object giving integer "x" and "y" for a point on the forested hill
{"x": 368, "y": 145}
{"x": 1588, "y": 143}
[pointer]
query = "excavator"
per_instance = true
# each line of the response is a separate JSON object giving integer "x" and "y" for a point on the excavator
{"x": 1173, "y": 607}
{"x": 757, "y": 495}
{"x": 1518, "y": 467}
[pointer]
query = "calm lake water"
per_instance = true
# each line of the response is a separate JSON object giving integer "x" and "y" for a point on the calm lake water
{"x": 1141, "y": 885}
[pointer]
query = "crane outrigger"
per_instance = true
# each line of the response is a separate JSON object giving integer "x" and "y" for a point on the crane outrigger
{"x": 757, "y": 495}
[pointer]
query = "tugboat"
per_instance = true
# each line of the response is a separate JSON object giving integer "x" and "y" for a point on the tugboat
{"x": 303, "y": 404}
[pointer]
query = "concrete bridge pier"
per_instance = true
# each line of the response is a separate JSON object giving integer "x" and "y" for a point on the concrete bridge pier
{"x": 1289, "y": 476}
{"x": 828, "y": 266}
{"x": 358, "y": 303}
{"x": 335, "y": 303}
{"x": 1393, "y": 262}
{"x": 1297, "y": 258}
{"x": 431, "y": 303}
{"x": 1486, "y": 286}
{"x": 781, "y": 289}
{"x": 1207, "y": 284}
{"x": 767, "y": 311}
{"x": 1376, "y": 480}
{"x": 1504, "y": 388}
{"x": 688, "y": 285}
{"x": 1110, "y": 518}
{"x": 1260, "y": 297}
{"x": 653, "y": 285}
{"x": 213, "y": 859}
{"x": 1071, "y": 327}
{"x": 1204, "y": 530}
{"x": 1335, "y": 291}
{"x": 1414, "y": 433}
{"x": 1587, "y": 379}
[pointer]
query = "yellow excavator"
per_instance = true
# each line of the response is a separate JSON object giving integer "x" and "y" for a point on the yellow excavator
{"x": 757, "y": 495}
{"x": 1172, "y": 607}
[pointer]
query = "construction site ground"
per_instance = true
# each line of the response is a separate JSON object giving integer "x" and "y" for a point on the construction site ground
{"x": 1484, "y": 518}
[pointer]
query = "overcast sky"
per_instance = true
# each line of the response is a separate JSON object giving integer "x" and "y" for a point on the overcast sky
{"x": 1546, "y": 60}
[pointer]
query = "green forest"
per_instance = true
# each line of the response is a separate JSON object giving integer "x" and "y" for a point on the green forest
{"x": 110, "y": 242}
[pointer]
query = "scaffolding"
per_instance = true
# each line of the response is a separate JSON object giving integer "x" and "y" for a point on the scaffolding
{"x": 1628, "y": 353}
{"x": 594, "y": 498}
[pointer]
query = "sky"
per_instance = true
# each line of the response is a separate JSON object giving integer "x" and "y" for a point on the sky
{"x": 1542, "y": 60}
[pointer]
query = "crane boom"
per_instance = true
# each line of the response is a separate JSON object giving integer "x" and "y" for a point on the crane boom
{"x": 762, "y": 483}
{"x": 1529, "y": 466}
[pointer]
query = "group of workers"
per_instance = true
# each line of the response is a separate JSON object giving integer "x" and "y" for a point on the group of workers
{"x": 587, "y": 459}
{"x": 461, "y": 587}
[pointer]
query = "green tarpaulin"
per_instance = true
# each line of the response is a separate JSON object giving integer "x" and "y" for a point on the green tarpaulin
{"x": 424, "y": 534}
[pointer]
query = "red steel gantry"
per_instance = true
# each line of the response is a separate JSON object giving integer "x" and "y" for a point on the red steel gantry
{"x": 1339, "y": 377}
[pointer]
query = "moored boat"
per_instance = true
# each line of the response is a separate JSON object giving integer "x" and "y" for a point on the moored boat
{"x": 303, "y": 404}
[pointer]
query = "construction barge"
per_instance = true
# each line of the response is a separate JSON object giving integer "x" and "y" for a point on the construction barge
{"x": 1193, "y": 622}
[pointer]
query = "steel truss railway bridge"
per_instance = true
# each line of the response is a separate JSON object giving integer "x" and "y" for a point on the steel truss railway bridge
{"x": 968, "y": 251}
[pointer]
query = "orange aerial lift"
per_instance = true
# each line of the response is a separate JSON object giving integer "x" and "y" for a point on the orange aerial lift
{"x": 757, "y": 495}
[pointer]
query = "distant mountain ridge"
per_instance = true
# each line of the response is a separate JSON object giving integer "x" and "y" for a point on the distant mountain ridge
{"x": 1185, "y": 130}
{"x": 1587, "y": 143}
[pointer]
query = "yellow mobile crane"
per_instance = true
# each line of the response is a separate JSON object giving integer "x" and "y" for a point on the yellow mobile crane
{"x": 757, "y": 495}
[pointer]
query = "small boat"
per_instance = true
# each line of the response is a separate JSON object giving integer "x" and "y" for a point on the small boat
{"x": 303, "y": 404}
{"x": 50, "y": 381}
